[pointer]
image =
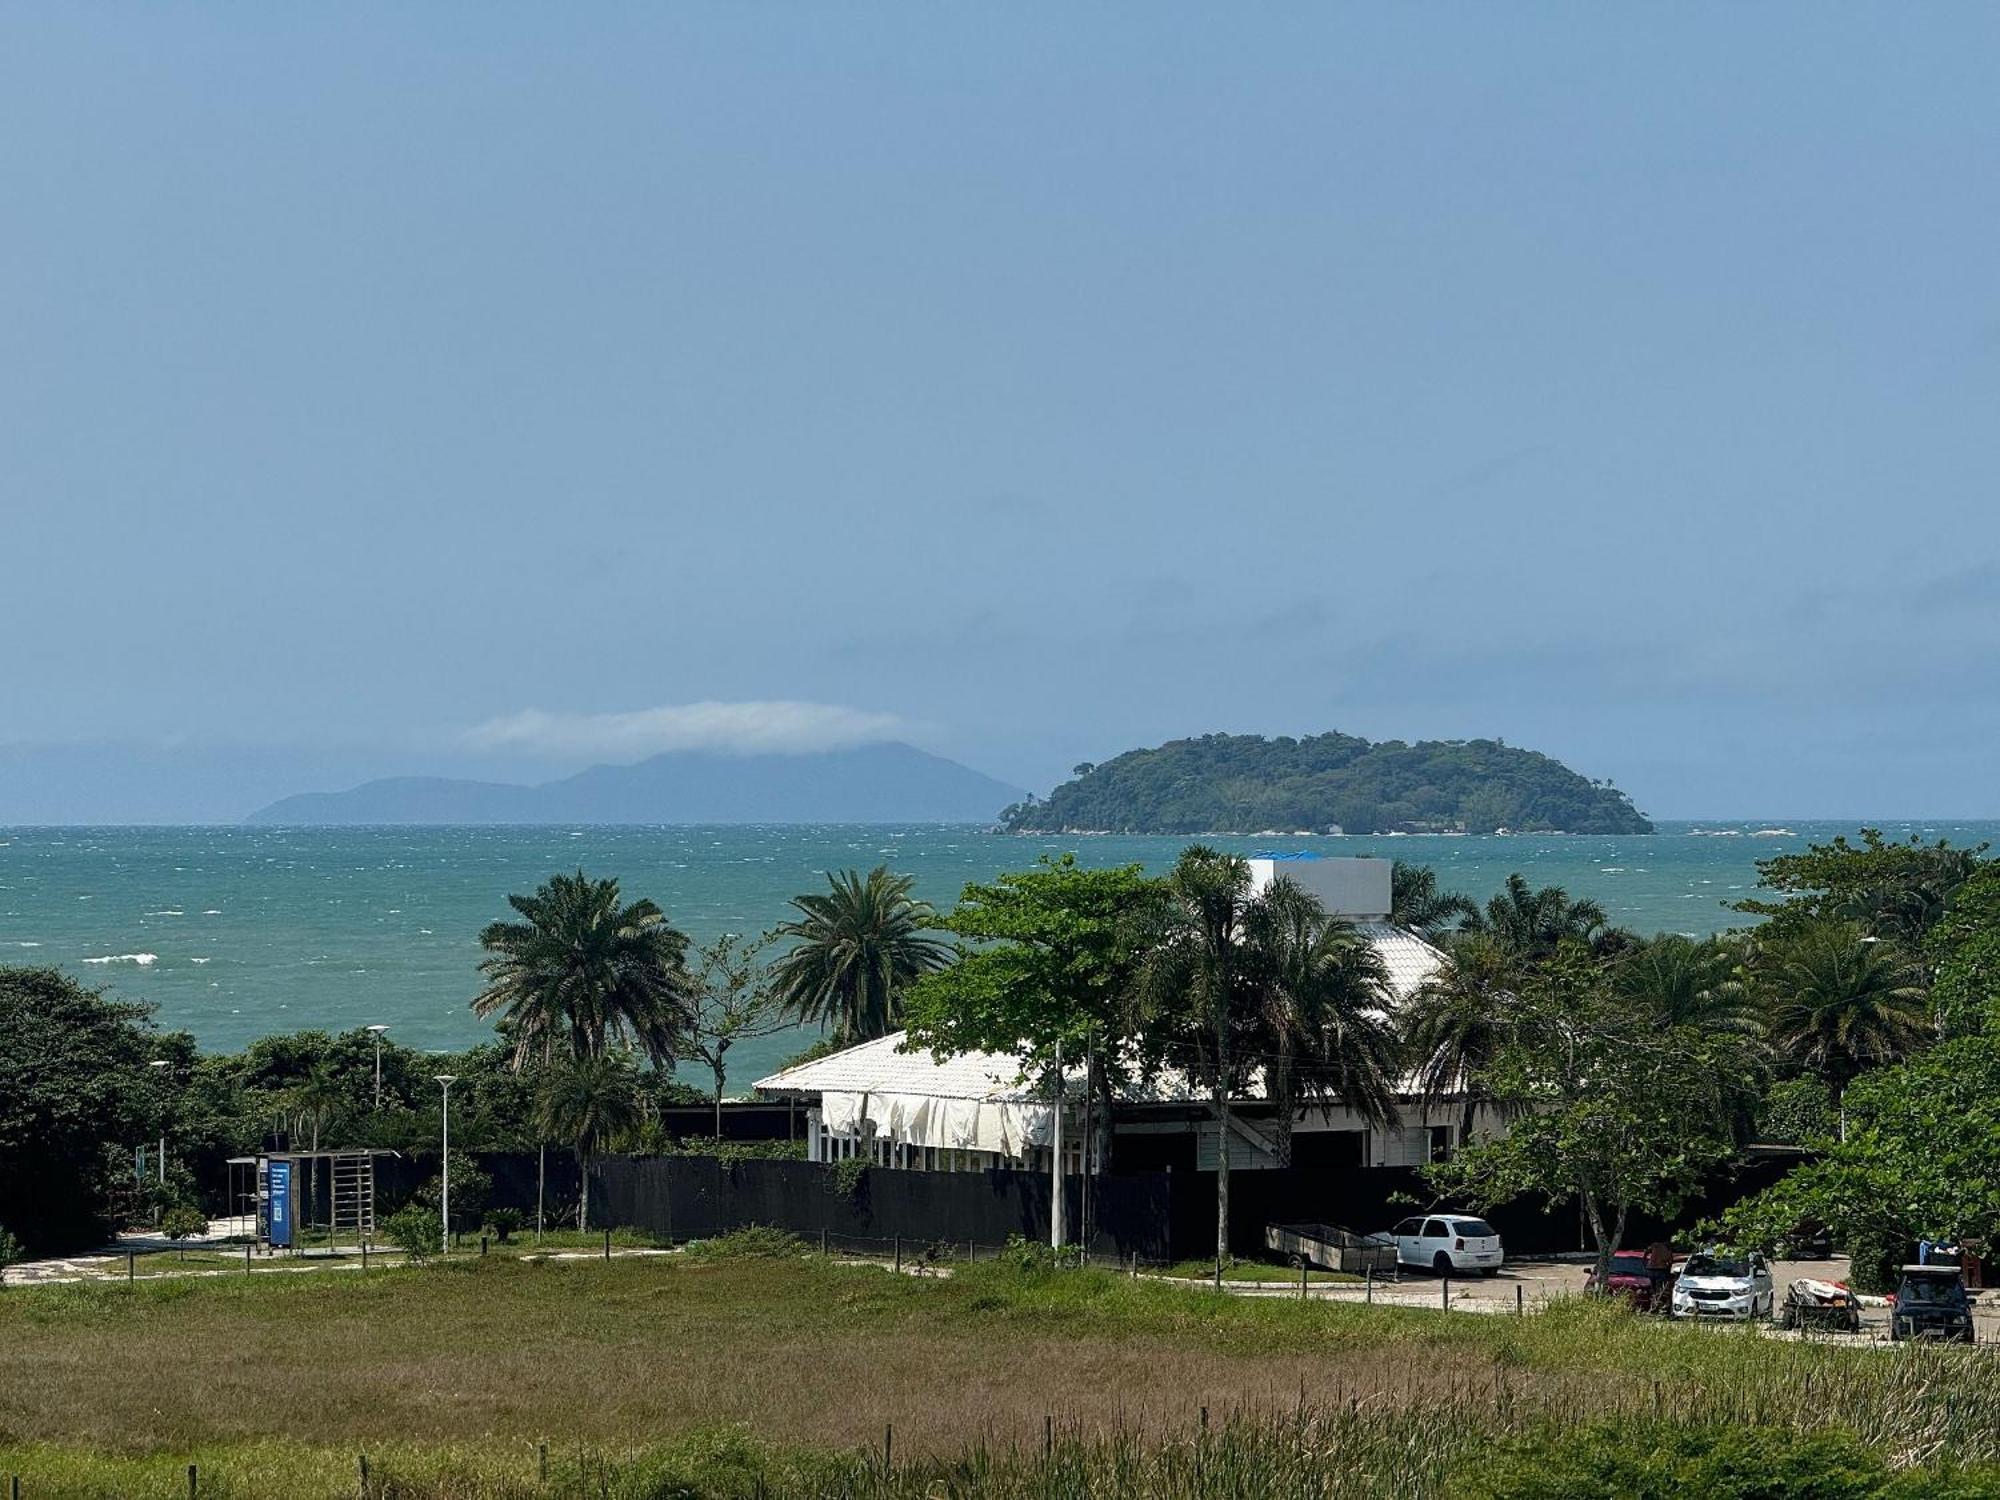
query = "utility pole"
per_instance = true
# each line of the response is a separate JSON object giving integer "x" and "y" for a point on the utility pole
{"x": 446, "y": 1080}
{"x": 1056, "y": 1235}
{"x": 378, "y": 1030}
{"x": 161, "y": 1062}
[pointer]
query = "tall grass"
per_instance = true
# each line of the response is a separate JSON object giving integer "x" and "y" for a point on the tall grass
{"x": 757, "y": 1370}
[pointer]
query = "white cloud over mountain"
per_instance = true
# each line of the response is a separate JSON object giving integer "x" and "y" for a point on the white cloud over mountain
{"x": 748, "y": 728}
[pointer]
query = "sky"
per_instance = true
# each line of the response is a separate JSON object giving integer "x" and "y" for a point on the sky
{"x": 492, "y": 389}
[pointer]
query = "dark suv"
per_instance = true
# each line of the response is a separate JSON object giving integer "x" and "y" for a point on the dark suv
{"x": 1931, "y": 1304}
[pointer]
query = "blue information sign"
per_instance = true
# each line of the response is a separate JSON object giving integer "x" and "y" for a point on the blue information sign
{"x": 280, "y": 1203}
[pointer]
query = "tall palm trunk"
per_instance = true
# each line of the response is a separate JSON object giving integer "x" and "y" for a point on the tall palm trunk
{"x": 1222, "y": 1134}
{"x": 583, "y": 1193}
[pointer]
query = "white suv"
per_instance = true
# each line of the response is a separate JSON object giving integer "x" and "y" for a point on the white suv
{"x": 1447, "y": 1244}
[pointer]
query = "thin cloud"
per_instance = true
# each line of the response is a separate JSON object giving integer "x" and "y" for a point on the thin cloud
{"x": 749, "y": 728}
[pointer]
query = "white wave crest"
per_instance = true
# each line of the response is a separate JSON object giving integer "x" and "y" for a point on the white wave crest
{"x": 141, "y": 959}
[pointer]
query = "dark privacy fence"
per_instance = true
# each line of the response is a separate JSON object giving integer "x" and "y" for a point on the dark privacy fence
{"x": 1158, "y": 1216}
{"x": 691, "y": 1197}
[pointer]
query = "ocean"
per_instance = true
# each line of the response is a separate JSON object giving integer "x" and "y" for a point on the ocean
{"x": 235, "y": 933}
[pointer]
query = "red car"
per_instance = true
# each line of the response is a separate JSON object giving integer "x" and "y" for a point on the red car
{"x": 1630, "y": 1277}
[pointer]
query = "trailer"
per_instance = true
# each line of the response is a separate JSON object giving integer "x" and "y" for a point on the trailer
{"x": 1330, "y": 1248}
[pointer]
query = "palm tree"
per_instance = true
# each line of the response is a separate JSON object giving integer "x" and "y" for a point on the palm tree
{"x": 1460, "y": 1019}
{"x": 1322, "y": 990}
{"x": 588, "y": 1100}
{"x": 1197, "y": 969}
{"x": 582, "y": 970}
{"x": 1688, "y": 982}
{"x": 1530, "y": 923}
{"x": 1416, "y": 903}
{"x": 855, "y": 948}
{"x": 1842, "y": 1001}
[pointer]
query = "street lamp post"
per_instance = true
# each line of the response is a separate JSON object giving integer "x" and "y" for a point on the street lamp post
{"x": 445, "y": 1081}
{"x": 377, "y": 1031}
{"x": 161, "y": 1062}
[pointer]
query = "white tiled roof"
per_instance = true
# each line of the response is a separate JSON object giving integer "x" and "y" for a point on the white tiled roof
{"x": 877, "y": 1067}
{"x": 880, "y": 1067}
{"x": 1410, "y": 960}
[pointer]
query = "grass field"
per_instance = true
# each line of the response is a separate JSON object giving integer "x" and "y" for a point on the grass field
{"x": 641, "y": 1372}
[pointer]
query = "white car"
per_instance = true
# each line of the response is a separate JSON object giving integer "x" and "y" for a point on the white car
{"x": 1725, "y": 1284}
{"x": 1448, "y": 1244}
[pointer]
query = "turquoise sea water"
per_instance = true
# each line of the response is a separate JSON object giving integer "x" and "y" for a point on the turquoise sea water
{"x": 234, "y": 933}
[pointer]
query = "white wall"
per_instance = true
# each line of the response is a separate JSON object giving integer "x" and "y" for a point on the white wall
{"x": 1349, "y": 887}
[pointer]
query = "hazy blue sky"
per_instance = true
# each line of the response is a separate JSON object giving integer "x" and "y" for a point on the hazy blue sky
{"x": 413, "y": 387}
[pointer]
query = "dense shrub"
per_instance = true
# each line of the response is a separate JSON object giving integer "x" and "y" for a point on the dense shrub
{"x": 1662, "y": 1462}
{"x": 417, "y": 1230}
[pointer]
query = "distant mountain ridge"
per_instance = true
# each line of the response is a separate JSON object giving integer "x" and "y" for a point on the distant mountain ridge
{"x": 889, "y": 783}
{"x": 1244, "y": 783}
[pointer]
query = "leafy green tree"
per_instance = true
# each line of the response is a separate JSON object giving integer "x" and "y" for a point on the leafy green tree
{"x": 1460, "y": 1020}
{"x": 1839, "y": 1001}
{"x": 1533, "y": 923}
{"x": 1321, "y": 995}
{"x": 1051, "y": 958}
{"x": 734, "y": 1001}
{"x": 1194, "y": 984}
{"x": 1800, "y": 1112}
{"x": 583, "y": 970}
{"x": 1963, "y": 949}
{"x": 76, "y": 1097}
{"x": 1610, "y": 1107}
{"x": 588, "y": 1101}
{"x": 1916, "y": 1162}
{"x": 856, "y": 948}
{"x": 1416, "y": 903}
{"x": 1896, "y": 891}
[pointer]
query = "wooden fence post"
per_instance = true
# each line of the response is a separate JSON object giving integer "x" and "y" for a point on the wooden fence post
{"x": 361, "y": 1464}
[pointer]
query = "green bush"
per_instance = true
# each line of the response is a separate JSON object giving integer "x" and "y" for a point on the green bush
{"x": 417, "y": 1230}
{"x": 1670, "y": 1463}
{"x": 848, "y": 1177}
{"x": 757, "y": 1242}
{"x": 470, "y": 1188}
{"x": 10, "y": 1248}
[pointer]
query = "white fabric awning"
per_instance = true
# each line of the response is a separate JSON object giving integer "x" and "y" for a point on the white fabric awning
{"x": 1006, "y": 1126}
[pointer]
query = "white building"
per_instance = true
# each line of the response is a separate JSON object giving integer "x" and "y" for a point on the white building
{"x": 978, "y": 1111}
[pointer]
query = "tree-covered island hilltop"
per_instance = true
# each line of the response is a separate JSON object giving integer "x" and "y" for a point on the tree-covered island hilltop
{"x": 1244, "y": 783}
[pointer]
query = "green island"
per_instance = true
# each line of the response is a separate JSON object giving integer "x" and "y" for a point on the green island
{"x": 1245, "y": 783}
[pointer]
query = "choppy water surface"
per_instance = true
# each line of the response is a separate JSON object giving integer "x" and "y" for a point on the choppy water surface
{"x": 237, "y": 932}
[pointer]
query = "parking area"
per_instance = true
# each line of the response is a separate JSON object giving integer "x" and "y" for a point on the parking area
{"x": 1531, "y": 1283}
